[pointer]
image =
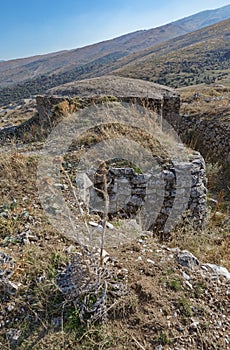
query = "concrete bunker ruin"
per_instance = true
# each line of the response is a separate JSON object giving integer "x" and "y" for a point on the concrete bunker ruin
{"x": 176, "y": 191}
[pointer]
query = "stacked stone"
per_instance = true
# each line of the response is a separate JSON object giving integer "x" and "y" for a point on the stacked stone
{"x": 173, "y": 193}
{"x": 126, "y": 189}
{"x": 209, "y": 134}
{"x": 198, "y": 201}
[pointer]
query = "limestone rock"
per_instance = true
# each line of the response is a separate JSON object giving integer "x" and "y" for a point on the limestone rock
{"x": 187, "y": 259}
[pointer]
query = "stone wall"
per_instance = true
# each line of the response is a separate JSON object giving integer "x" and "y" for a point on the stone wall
{"x": 66, "y": 99}
{"x": 209, "y": 135}
{"x": 175, "y": 192}
{"x": 161, "y": 99}
{"x": 166, "y": 106}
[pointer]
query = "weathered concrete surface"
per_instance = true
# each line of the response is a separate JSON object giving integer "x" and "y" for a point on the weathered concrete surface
{"x": 164, "y": 100}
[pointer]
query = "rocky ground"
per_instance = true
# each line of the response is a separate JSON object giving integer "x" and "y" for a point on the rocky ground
{"x": 174, "y": 300}
{"x": 16, "y": 113}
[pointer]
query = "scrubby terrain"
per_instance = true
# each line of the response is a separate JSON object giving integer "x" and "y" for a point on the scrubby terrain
{"x": 167, "y": 306}
{"x": 170, "y": 299}
{"x": 150, "y": 290}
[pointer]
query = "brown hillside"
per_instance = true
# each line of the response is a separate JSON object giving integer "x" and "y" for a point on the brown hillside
{"x": 201, "y": 56}
{"x": 14, "y": 71}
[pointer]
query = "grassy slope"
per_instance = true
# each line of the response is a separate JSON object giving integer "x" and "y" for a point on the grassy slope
{"x": 201, "y": 56}
{"x": 145, "y": 318}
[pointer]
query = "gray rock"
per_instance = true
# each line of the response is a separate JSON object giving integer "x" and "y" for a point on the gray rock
{"x": 219, "y": 270}
{"x": 13, "y": 334}
{"x": 187, "y": 259}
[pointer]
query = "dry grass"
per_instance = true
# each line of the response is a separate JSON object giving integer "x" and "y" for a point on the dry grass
{"x": 40, "y": 310}
{"x": 17, "y": 114}
{"x": 212, "y": 99}
{"x": 212, "y": 244}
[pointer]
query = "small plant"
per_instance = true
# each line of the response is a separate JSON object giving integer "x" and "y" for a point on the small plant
{"x": 116, "y": 224}
{"x": 73, "y": 319}
{"x": 162, "y": 339}
{"x": 55, "y": 261}
{"x": 90, "y": 279}
{"x": 170, "y": 281}
{"x": 199, "y": 289}
{"x": 170, "y": 271}
{"x": 174, "y": 284}
{"x": 120, "y": 163}
{"x": 184, "y": 307}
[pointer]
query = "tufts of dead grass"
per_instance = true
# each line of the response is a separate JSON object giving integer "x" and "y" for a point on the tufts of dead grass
{"x": 211, "y": 244}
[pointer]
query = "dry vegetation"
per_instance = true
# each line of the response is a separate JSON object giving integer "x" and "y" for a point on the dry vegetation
{"x": 209, "y": 104}
{"x": 15, "y": 114}
{"x": 198, "y": 63}
{"x": 162, "y": 309}
{"x": 211, "y": 100}
{"x": 143, "y": 319}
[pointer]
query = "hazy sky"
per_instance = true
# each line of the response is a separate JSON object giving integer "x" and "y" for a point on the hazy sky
{"x": 30, "y": 27}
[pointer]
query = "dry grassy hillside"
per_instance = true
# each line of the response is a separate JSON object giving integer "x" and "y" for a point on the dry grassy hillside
{"x": 154, "y": 303}
{"x": 203, "y": 58}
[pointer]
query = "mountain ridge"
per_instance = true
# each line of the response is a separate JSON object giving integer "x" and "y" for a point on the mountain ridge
{"x": 19, "y": 70}
{"x": 198, "y": 63}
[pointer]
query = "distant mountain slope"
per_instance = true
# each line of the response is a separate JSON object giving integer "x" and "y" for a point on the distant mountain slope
{"x": 20, "y": 70}
{"x": 200, "y": 56}
{"x": 206, "y": 18}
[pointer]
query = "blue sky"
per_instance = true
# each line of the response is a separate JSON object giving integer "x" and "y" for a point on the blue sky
{"x": 30, "y": 27}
